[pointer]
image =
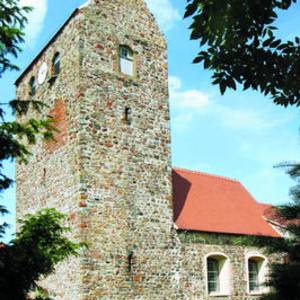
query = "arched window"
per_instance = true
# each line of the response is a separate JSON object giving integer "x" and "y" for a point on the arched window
{"x": 126, "y": 58}
{"x": 257, "y": 271}
{"x": 32, "y": 86}
{"x": 56, "y": 65}
{"x": 218, "y": 274}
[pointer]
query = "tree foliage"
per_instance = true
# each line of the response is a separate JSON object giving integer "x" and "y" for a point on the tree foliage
{"x": 16, "y": 136}
{"x": 12, "y": 21}
{"x": 39, "y": 246}
{"x": 239, "y": 45}
{"x": 285, "y": 277}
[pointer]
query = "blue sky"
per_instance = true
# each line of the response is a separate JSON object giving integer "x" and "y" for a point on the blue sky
{"x": 240, "y": 135}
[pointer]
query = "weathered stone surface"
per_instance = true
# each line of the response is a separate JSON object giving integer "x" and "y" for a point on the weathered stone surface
{"x": 113, "y": 178}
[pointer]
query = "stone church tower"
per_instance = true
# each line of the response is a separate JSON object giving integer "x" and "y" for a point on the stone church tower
{"x": 104, "y": 78}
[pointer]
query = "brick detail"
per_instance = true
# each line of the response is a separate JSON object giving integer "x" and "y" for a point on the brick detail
{"x": 59, "y": 116}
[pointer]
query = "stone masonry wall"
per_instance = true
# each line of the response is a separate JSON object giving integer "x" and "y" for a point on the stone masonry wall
{"x": 126, "y": 168}
{"x": 52, "y": 177}
{"x": 192, "y": 276}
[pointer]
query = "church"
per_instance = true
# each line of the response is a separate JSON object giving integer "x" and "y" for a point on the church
{"x": 154, "y": 232}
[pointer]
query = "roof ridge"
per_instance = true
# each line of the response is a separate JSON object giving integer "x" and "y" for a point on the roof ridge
{"x": 207, "y": 174}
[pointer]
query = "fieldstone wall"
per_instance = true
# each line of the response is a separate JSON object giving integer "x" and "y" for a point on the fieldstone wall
{"x": 52, "y": 176}
{"x": 195, "y": 247}
{"x": 126, "y": 167}
{"x": 113, "y": 177}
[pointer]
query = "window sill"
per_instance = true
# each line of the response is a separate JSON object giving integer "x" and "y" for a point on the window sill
{"x": 127, "y": 77}
{"x": 258, "y": 293}
{"x": 219, "y": 294}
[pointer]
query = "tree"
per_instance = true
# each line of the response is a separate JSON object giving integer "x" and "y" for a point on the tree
{"x": 13, "y": 20}
{"x": 239, "y": 45}
{"x": 39, "y": 246}
{"x": 41, "y": 241}
{"x": 285, "y": 278}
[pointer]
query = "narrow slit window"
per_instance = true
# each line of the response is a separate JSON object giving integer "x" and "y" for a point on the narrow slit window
{"x": 130, "y": 257}
{"x": 44, "y": 175}
{"x": 128, "y": 116}
{"x": 32, "y": 85}
{"x": 56, "y": 65}
{"x": 126, "y": 61}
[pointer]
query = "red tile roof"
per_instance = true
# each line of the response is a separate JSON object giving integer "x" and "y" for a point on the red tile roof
{"x": 210, "y": 203}
{"x": 272, "y": 214}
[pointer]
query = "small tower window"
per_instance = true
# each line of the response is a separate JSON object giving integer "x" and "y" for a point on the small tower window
{"x": 32, "y": 85}
{"x": 44, "y": 176}
{"x": 126, "y": 61}
{"x": 56, "y": 65}
{"x": 130, "y": 261}
{"x": 127, "y": 115}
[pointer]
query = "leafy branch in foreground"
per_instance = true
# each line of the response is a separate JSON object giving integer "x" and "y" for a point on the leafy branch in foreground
{"x": 39, "y": 246}
{"x": 15, "y": 137}
{"x": 12, "y": 22}
{"x": 240, "y": 47}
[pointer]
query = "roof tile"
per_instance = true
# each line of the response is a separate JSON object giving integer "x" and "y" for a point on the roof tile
{"x": 210, "y": 203}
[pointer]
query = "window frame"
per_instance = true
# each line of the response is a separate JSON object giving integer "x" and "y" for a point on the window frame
{"x": 215, "y": 273}
{"x": 130, "y": 58}
{"x": 56, "y": 65}
{"x": 253, "y": 275}
{"x": 224, "y": 274}
{"x": 262, "y": 264}
{"x": 33, "y": 86}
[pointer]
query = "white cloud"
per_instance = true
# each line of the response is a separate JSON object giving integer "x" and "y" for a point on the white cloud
{"x": 189, "y": 99}
{"x": 191, "y": 102}
{"x": 35, "y": 19}
{"x": 165, "y": 13}
{"x": 185, "y": 103}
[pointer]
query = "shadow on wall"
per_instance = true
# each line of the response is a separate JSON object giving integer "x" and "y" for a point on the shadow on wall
{"x": 181, "y": 187}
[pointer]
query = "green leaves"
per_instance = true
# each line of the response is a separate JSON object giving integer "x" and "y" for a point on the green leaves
{"x": 238, "y": 39}
{"x": 12, "y": 22}
{"x": 191, "y": 9}
{"x": 40, "y": 244}
{"x": 223, "y": 87}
